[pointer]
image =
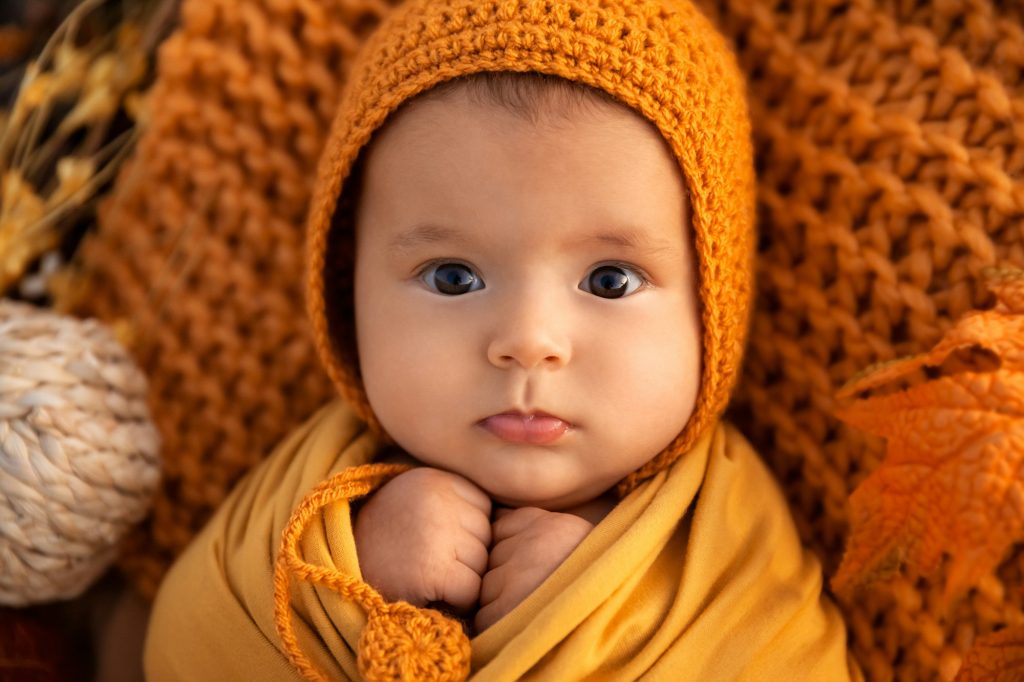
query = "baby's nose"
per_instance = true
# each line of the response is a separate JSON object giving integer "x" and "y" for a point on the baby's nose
{"x": 530, "y": 332}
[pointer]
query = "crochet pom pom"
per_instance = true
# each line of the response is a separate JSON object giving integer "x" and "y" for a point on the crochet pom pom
{"x": 402, "y": 642}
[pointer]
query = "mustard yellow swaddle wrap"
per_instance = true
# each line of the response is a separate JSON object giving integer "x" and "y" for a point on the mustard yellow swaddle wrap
{"x": 697, "y": 574}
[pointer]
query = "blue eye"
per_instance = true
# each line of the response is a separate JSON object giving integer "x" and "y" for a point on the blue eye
{"x": 451, "y": 279}
{"x": 612, "y": 281}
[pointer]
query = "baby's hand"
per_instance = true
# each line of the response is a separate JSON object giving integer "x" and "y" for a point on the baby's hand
{"x": 529, "y": 544}
{"x": 423, "y": 537}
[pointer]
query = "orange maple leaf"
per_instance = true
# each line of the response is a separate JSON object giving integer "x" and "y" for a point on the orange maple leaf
{"x": 995, "y": 657}
{"x": 953, "y": 476}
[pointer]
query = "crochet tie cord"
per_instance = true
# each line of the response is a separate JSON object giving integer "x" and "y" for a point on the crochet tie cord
{"x": 889, "y": 151}
{"x": 399, "y": 640}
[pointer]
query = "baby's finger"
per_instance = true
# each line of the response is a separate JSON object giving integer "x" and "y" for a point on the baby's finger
{"x": 514, "y": 522}
{"x": 492, "y": 585}
{"x": 501, "y": 553}
{"x": 477, "y": 524}
{"x": 461, "y": 586}
{"x": 489, "y": 615}
{"x": 472, "y": 553}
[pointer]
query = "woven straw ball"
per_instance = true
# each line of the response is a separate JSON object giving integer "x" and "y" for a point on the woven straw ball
{"x": 78, "y": 453}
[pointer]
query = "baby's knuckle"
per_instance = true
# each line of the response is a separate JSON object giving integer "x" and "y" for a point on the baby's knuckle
{"x": 423, "y": 478}
{"x": 572, "y": 524}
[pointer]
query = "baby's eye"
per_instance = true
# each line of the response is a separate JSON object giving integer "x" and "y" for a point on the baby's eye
{"x": 451, "y": 279}
{"x": 612, "y": 281}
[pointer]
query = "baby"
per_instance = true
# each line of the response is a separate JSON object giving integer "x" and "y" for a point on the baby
{"x": 529, "y": 259}
{"x": 527, "y": 326}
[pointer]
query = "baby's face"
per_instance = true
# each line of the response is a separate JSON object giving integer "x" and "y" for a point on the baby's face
{"x": 526, "y": 310}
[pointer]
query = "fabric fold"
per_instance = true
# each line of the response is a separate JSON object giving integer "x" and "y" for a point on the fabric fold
{"x": 697, "y": 574}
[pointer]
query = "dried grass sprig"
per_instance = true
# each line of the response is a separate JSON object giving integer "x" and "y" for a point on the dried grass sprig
{"x": 61, "y": 140}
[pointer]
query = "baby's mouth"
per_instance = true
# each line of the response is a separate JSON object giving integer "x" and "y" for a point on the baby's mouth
{"x": 536, "y": 428}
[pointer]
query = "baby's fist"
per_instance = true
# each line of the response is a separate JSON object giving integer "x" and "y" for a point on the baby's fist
{"x": 423, "y": 537}
{"x": 529, "y": 544}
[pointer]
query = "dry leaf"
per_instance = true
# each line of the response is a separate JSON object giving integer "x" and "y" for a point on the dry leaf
{"x": 952, "y": 479}
{"x": 995, "y": 657}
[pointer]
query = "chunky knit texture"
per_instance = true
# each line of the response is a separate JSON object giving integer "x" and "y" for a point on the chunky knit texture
{"x": 198, "y": 257}
{"x": 891, "y": 173}
{"x": 890, "y": 158}
{"x": 663, "y": 59}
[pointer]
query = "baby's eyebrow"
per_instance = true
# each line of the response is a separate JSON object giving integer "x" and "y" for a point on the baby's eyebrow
{"x": 424, "y": 233}
{"x": 629, "y": 238}
{"x": 622, "y": 237}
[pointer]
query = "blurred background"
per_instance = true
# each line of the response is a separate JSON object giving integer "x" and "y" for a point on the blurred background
{"x": 73, "y": 77}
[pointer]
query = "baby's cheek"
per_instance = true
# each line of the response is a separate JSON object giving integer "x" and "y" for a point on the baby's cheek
{"x": 655, "y": 388}
{"x": 420, "y": 396}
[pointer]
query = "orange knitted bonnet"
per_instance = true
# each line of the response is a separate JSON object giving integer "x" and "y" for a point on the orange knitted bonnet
{"x": 662, "y": 59}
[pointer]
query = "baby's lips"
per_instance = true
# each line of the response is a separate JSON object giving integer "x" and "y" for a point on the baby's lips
{"x": 534, "y": 428}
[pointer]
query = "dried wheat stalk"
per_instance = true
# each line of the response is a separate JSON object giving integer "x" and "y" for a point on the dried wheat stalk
{"x": 57, "y": 148}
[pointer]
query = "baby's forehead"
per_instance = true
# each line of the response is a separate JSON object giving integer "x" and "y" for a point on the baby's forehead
{"x": 439, "y": 137}
{"x": 601, "y": 175}
{"x": 543, "y": 111}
